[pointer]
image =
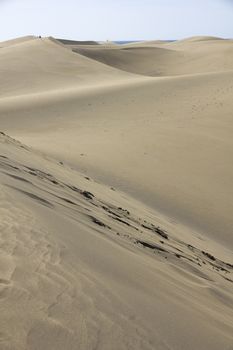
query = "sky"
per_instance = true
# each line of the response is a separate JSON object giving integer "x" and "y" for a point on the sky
{"x": 116, "y": 19}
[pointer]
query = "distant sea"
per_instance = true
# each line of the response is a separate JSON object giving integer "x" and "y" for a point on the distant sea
{"x": 121, "y": 42}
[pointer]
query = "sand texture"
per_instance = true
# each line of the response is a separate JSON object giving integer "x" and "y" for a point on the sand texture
{"x": 116, "y": 195}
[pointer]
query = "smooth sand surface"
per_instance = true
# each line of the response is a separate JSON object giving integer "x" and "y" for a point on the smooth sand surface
{"x": 116, "y": 195}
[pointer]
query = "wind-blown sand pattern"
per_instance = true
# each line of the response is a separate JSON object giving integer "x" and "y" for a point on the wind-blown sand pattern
{"x": 116, "y": 195}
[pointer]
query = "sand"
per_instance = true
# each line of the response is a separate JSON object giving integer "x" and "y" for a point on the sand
{"x": 116, "y": 194}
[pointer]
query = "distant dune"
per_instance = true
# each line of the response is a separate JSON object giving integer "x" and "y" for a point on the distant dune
{"x": 74, "y": 42}
{"x": 116, "y": 181}
{"x": 166, "y": 58}
{"x": 200, "y": 38}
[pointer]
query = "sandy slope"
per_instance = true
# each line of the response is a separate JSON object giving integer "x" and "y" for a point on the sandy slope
{"x": 41, "y": 65}
{"x": 87, "y": 270}
{"x": 84, "y": 266}
{"x": 17, "y": 41}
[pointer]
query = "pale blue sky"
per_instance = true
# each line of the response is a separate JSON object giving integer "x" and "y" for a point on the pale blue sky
{"x": 116, "y": 20}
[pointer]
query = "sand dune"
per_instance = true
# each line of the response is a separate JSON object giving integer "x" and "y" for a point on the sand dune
{"x": 85, "y": 266}
{"x": 17, "y": 41}
{"x": 116, "y": 208}
{"x": 191, "y": 56}
{"x": 75, "y": 42}
{"x": 41, "y": 65}
{"x": 199, "y": 39}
